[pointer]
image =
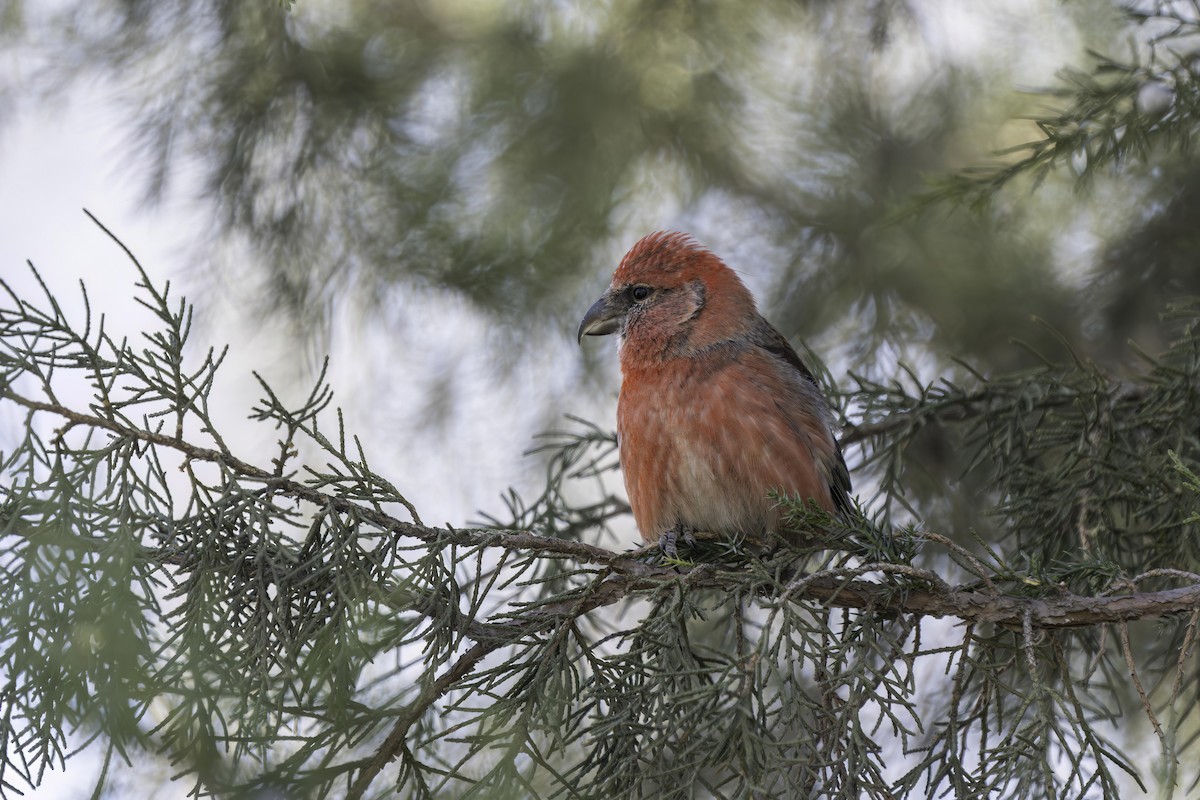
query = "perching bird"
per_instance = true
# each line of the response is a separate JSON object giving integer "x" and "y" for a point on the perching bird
{"x": 716, "y": 408}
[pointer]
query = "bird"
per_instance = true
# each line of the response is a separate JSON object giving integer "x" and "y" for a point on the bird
{"x": 716, "y": 409}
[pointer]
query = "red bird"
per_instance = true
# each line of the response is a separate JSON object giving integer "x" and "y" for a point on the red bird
{"x": 716, "y": 408}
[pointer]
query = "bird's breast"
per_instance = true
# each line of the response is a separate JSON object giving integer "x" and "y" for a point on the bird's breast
{"x": 704, "y": 445}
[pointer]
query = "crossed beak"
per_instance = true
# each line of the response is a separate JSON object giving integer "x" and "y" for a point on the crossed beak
{"x": 603, "y": 318}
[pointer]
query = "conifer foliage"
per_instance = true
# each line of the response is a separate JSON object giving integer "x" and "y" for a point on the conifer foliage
{"x": 277, "y": 623}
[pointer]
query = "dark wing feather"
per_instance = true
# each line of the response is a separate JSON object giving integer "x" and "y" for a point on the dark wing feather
{"x": 771, "y": 340}
{"x": 839, "y": 484}
{"x": 768, "y": 338}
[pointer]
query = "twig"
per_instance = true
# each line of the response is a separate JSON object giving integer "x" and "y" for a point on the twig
{"x": 392, "y": 745}
{"x": 1137, "y": 682}
{"x": 602, "y": 592}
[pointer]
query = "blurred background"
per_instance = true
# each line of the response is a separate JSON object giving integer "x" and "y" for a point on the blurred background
{"x": 432, "y": 193}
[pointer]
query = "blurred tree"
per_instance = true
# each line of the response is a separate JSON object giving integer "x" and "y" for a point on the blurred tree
{"x": 274, "y": 630}
{"x": 508, "y": 152}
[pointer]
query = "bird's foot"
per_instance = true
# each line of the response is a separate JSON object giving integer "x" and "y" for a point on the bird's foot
{"x": 669, "y": 538}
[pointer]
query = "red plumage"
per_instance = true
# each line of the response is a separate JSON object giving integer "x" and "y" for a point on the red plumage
{"x": 716, "y": 408}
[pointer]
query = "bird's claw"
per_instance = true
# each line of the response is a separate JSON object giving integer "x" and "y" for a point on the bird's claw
{"x": 669, "y": 538}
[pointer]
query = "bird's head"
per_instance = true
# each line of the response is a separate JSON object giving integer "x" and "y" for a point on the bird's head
{"x": 669, "y": 296}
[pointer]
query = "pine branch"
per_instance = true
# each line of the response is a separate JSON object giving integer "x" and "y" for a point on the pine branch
{"x": 468, "y": 537}
{"x": 1064, "y": 611}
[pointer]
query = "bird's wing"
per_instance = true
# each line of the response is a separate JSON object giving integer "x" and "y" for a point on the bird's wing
{"x": 770, "y": 339}
{"x": 839, "y": 484}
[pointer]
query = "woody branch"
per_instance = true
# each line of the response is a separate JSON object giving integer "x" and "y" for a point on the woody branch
{"x": 631, "y": 573}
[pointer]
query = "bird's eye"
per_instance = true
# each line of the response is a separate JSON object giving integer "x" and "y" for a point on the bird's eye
{"x": 639, "y": 293}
